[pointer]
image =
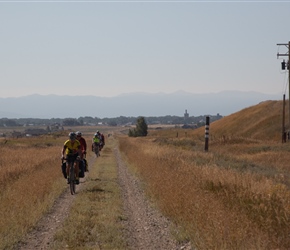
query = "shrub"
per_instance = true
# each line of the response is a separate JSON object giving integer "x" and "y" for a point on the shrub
{"x": 141, "y": 128}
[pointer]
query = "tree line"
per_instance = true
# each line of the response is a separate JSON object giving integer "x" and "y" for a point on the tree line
{"x": 195, "y": 121}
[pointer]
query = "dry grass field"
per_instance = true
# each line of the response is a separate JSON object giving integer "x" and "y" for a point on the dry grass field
{"x": 236, "y": 195}
{"x": 30, "y": 181}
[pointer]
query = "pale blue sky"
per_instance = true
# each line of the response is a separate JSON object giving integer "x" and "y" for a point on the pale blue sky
{"x": 105, "y": 48}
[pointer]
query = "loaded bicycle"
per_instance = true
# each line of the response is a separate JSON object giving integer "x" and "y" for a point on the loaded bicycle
{"x": 72, "y": 151}
{"x": 96, "y": 144}
{"x": 96, "y": 149}
{"x": 72, "y": 179}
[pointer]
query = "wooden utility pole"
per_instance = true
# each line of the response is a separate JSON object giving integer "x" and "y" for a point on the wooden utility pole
{"x": 283, "y": 122}
{"x": 285, "y": 66}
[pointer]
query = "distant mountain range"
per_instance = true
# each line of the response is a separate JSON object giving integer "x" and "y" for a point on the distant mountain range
{"x": 130, "y": 105}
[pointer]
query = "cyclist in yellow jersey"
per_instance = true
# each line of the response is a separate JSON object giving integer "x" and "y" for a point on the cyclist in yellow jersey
{"x": 71, "y": 151}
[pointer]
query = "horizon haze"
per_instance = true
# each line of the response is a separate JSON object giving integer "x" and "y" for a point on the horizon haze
{"x": 130, "y": 104}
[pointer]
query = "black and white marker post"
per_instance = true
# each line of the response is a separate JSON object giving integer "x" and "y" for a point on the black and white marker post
{"x": 206, "y": 133}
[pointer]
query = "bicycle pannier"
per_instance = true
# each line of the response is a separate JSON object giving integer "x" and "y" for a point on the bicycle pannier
{"x": 82, "y": 169}
{"x": 63, "y": 169}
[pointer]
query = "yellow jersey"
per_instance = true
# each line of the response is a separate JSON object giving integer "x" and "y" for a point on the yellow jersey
{"x": 96, "y": 139}
{"x": 71, "y": 148}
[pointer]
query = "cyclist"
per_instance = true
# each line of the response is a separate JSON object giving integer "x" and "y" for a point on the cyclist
{"x": 95, "y": 141}
{"x": 71, "y": 151}
{"x": 102, "y": 141}
{"x": 83, "y": 143}
{"x": 101, "y": 138}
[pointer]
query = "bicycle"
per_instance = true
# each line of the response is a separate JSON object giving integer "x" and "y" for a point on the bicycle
{"x": 96, "y": 149}
{"x": 72, "y": 183}
{"x": 72, "y": 176}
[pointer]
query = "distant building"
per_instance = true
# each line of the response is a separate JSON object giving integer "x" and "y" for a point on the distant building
{"x": 35, "y": 132}
{"x": 186, "y": 116}
{"x": 55, "y": 127}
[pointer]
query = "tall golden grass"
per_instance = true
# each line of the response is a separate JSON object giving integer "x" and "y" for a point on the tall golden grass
{"x": 219, "y": 201}
{"x": 30, "y": 181}
{"x": 236, "y": 195}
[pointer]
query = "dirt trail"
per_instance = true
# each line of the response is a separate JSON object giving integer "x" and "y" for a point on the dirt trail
{"x": 146, "y": 228}
{"x": 41, "y": 237}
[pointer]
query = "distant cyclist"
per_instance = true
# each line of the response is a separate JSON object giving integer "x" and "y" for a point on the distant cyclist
{"x": 102, "y": 140}
{"x": 96, "y": 141}
{"x": 71, "y": 152}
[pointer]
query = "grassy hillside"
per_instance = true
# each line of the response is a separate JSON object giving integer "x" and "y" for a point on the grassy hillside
{"x": 262, "y": 121}
{"x": 259, "y": 122}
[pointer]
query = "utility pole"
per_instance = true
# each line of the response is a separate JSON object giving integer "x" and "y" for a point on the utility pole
{"x": 283, "y": 121}
{"x": 285, "y": 66}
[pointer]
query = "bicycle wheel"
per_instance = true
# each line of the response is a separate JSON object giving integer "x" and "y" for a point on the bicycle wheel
{"x": 72, "y": 183}
{"x": 96, "y": 149}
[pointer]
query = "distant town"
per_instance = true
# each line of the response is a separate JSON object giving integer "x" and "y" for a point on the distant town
{"x": 37, "y": 126}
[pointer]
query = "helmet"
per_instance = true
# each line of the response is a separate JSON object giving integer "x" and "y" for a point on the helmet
{"x": 78, "y": 133}
{"x": 96, "y": 134}
{"x": 72, "y": 135}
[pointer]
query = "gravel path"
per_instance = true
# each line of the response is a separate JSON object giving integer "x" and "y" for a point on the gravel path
{"x": 145, "y": 227}
{"x": 41, "y": 237}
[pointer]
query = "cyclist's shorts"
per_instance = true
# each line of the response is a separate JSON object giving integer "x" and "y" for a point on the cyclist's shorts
{"x": 71, "y": 158}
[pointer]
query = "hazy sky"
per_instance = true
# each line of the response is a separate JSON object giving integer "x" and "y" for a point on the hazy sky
{"x": 105, "y": 48}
